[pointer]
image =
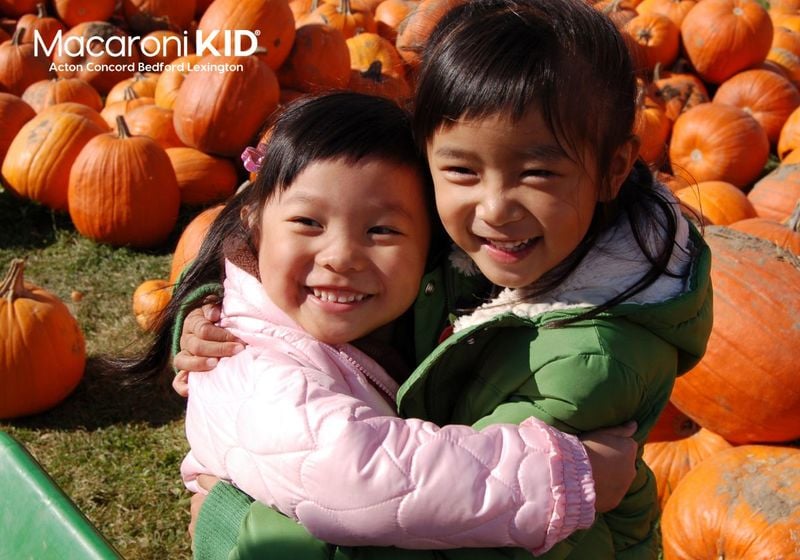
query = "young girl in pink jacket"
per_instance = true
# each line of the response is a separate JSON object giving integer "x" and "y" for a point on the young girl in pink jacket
{"x": 322, "y": 254}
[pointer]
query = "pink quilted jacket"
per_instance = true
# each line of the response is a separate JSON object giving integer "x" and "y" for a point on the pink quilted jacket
{"x": 299, "y": 425}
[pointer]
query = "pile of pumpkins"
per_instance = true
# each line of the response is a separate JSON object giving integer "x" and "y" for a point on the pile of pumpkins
{"x": 718, "y": 105}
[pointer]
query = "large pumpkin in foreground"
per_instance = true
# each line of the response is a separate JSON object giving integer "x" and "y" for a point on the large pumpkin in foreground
{"x": 743, "y": 504}
{"x": 746, "y": 386}
{"x": 42, "y": 349}
{"x": 123, "y": 191}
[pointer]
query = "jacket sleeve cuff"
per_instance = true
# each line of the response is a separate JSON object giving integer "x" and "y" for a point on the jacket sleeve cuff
{"x": 575, "y": 504}
{"x": 196, "y": 295}
{"x": 219, "y": 521}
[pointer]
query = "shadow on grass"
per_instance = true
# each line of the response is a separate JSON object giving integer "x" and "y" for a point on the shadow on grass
{"x": 100, "y": 401}
{"x": 27, "y": 225}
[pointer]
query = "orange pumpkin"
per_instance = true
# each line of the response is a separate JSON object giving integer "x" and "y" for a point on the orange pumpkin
{"x": 368, "y": 48}
{"x": 745, "y": 387}
{"x": 102, "y": 70}
{"x": 271, "y": 20}
{"x": 39, "y": 158}
{"x": 40, "y": 23}
{"x": 652, "y": 126}
{"x": 783, "y": 234}
{"x": 153, "y": 122}
{"x": 42, "y": 348}
{"x": 202, "y": 178}
{"x": 319, "y": 60}
{"x": 723, "y": 37}
{"x": 129, "y": 102}
{"x": 413, "y": 32}
{"x": 389, "y": 14}
{"x": 61, "y": 90}
{"x": 768, "y": 97}
{"x": 680, "y": 92}
{"x": 145, "y": 16}
{"x": 16, "y": 8}
{"x": 618, "y": 11}
{"x": 672, "y": 424}
{"x": 14, "y": 113}
{"x": 346, "y": 17}
{"x": 77, "y": 109}
{"x": 191, "y": 239}
{"x": 670, "y": 461}
{"x": 19, "y": 66}
{"x": 717, "y": 202}
{"x": 75, "y": 12}
{"x": 740, "y": 503}
{"x": 654, "y": 39}
{"x": 143, "y": 85}
{"x": 675, "y": 10}
{"x": 171, "y": 79}
{"x": 209, "y": 111}
{"x": 123, "y": 191}
{"x": 715, "y": 142}
{"x": 775, "y": 195}
{"x": 784, "y": 6}
{"x": 789, "y": 138}
{"x": 149, "y": 300}
{"x": 374, "y": 81}
{"x": 787, "y": 62}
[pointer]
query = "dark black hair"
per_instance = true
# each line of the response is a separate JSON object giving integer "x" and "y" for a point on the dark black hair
{"x": 567, "y": 60}
{"x": 334, "y": 125}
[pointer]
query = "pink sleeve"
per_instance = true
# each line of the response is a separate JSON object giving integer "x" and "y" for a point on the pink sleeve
{"x": 297, "y": 440}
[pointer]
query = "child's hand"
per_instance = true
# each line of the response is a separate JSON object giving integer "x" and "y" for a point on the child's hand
{"x": 202, "y": 342}
{"x": 612, "y": 454}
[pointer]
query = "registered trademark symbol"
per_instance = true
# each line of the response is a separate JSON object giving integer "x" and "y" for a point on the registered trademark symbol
{"x": 258, "y": 32}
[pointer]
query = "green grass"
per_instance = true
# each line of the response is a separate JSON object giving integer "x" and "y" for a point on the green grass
{"x": 115, "y": 450}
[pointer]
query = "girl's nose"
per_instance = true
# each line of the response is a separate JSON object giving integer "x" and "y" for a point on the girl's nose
{"x": 342, "y": 255}
{"x": 497, "y": 208}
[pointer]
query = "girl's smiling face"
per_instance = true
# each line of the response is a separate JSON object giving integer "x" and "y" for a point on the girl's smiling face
{"x": 343, "y": 249}
{"x": 510, "y": 196}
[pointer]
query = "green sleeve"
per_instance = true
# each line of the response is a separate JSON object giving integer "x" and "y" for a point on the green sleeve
{"x": 197, "y": 295}
{"x": 223, "y": 512}
{"x": 268, "y": 534}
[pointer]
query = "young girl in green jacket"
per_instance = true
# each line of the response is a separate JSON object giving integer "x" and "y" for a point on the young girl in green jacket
{"x": 525, "y": 111}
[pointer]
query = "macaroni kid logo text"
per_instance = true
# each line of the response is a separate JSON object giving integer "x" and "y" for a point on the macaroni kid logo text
{"x": 235, "y": 42}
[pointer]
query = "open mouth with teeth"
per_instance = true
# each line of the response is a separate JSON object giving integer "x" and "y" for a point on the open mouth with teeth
{"x": 511, "y": 246}
{"x": 338, "y": 296}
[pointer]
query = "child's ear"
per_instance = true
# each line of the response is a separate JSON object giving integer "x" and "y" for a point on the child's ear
{"x": 249, "y": 217}
{"x": 621, "y": 166}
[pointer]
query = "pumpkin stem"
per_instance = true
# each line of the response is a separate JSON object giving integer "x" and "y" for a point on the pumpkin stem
{"x": 374, "y": 72}
{"x": 41, "y": 10}
{"x": 16, "y": 39}
{"x": 122, "y": 127}
{"x": 793, "y": 222}
{"x": 129, "y": 94}
{"x": 314, "y": 5}
{"x": 344, "y": 7}
{"x": 657, "y": 72}
{"x": 13, "y": 285}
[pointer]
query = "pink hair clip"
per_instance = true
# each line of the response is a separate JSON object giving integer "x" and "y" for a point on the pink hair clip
{"x": 254, "y": 157}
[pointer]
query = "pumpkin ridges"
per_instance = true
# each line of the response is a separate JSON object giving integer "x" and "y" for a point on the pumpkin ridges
{"x": 38, "y": 160}
{"x": 32, "y": 319}
{"x": 123, "y": 191}
{"x": 756, "y": 305}
{"x": 737, "y": 504}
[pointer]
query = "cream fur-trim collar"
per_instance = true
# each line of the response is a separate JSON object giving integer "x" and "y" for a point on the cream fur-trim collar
{"x": 614, "y": 264}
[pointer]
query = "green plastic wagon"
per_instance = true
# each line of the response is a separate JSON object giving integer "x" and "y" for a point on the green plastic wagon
{"x": 38, "y": 521}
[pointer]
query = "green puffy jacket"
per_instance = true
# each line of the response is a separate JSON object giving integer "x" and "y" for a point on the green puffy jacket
{"x": 600, "y": 372}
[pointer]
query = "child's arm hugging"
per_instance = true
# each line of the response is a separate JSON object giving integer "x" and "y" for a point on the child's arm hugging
{"x": 292, "y": 438}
